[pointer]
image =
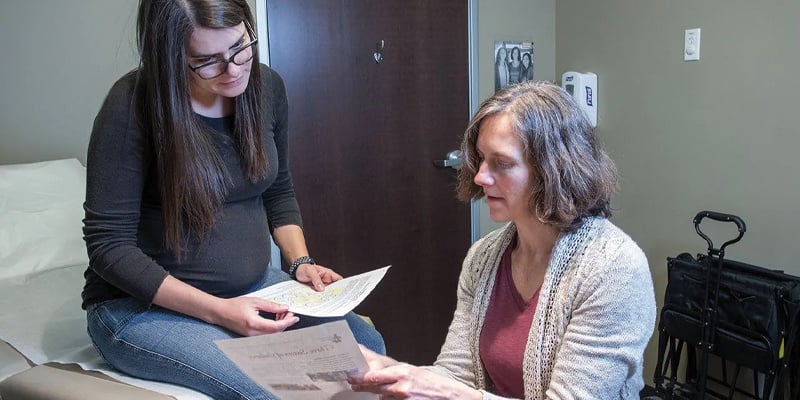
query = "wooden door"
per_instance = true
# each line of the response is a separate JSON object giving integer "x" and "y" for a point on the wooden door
{"x": 363, "y": 136}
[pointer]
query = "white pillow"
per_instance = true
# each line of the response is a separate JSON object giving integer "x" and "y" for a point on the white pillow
{"x": 41, "y": 213}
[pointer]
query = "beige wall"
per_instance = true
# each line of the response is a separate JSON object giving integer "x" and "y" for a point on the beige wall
{"x": 59, "y": 60}
{"x": 718, "y": 134}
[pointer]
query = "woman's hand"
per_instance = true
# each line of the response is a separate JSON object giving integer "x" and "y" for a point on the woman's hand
{"x": 403, "y": 381}
{"x": 394, "y": 380}
{"x": 376, "y": 361}
{"x": 242, "y": 315}
{"x": 238, "y": 314}
{"x": 292, "y": 242}
{"x": 316, "y": 276}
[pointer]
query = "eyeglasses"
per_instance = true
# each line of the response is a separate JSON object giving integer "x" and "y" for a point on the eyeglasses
{"x": 216, "y": 68}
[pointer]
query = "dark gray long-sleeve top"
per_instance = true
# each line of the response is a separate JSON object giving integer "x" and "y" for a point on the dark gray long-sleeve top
{"x": 123, "y": 226}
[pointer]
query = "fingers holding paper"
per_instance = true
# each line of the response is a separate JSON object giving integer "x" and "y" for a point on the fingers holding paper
{"x": 243, "y": 316}
{"x": 376, "y": 361}
{"x": 317, "y": 276}
{"x": 394, "y": 380}
{"x": 405, "y": 381}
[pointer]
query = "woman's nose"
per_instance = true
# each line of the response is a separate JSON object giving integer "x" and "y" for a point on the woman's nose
{"x": 233, "y": 69}
{"x": 483, "y": 177}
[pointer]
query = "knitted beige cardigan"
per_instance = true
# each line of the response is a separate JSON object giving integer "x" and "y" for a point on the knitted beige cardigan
{"x": 595, "y": 315}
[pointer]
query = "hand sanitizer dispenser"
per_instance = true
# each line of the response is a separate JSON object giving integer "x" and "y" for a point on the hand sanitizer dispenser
{"x": 583, "y": 88}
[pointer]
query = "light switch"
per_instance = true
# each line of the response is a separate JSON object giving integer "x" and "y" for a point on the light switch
{"x": 691, "y": 44}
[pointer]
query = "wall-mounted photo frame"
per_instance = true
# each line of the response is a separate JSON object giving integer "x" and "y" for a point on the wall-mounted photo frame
{"x": 513, "y": 63}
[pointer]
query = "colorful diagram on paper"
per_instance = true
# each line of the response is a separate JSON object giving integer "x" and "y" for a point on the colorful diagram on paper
{"x": 307, "y": 298}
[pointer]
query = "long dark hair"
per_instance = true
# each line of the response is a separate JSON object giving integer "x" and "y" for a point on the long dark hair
{"x": 573, "y": 177}
{"x": 192, "y": 174}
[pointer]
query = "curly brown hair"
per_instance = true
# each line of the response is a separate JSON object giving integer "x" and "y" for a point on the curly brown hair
{"x": 574, "y": 177}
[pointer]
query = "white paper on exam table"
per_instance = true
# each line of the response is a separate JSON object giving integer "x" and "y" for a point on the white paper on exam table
{"x": 336, "y": 300}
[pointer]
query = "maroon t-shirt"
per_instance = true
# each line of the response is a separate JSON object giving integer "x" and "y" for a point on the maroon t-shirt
{"x": 505, "y": 331}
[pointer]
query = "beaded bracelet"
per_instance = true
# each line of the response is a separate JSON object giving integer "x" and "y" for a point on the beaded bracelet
{"x": 296, "y": 263}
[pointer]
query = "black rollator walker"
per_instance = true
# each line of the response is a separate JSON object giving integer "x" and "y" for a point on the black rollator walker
{"x": 743, "y": 314}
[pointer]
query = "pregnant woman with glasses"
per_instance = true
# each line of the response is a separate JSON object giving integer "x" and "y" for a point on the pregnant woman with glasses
{"x": 187, "y": 181}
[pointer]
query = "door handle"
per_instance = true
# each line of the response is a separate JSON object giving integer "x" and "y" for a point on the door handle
{"x": 454, "y": 160}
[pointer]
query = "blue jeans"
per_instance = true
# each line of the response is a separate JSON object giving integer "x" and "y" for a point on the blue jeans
{"x": 158, "y": 344}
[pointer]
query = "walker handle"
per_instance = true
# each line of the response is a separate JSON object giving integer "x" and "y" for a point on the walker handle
{"x": 717, "y": 216}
